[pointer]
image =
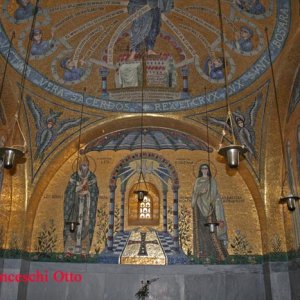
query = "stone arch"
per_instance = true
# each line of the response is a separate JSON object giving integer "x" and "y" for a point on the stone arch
{"x": 145, "y": 155}
{"x": 146, "y": 212}
{"x": 113, "y": 184}
{"x": 190, "y": 128}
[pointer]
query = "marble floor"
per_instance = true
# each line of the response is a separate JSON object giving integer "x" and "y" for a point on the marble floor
{"x": 165, "y": 247}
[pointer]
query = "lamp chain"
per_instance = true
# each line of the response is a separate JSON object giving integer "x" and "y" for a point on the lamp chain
{"x": 78, "y": 158}
{"x": 229, "y": 115}
{"x": 208, "y": 141}
{"x": 206, "y": 116}
{"x": 23, "y": 78}
{"x": 79, "y": 136}
{"x": 277, "y": 111}
{"x": 27, "y": 56}
{"x": 141, "y": 176}
{"x": 142, "y": 108}
{"x": 2, "y": 113}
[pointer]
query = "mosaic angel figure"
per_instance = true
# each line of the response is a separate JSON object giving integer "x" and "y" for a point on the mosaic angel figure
{"x": 244, "y": 125}
{"x": 48, "y": 127}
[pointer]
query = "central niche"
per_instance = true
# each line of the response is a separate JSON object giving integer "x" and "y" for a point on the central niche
{"x": 146, "y": 212}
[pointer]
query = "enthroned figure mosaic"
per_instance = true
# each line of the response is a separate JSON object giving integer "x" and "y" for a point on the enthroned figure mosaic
{"x": 164, "y": 53}
{"x": 103, "y": 43}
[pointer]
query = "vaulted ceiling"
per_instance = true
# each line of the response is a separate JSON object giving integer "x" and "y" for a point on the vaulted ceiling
{"x": 77, "y": 63}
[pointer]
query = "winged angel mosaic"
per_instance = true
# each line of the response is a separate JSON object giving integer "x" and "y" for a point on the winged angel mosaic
{"x": 48, "y": 126}
{"x": 102, "y": 43}
{"x": 244, "y": 125}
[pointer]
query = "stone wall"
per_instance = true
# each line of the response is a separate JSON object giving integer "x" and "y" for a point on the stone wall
{"x": 112, "y": 282}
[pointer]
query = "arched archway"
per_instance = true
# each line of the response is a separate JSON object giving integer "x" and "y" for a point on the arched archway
{"x": 147, "y": 212}
{"x": 165, "y": 170}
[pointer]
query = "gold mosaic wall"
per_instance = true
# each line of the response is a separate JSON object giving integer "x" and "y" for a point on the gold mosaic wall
{"x": 240, "y": 207}
{"x": 251, "y": 203}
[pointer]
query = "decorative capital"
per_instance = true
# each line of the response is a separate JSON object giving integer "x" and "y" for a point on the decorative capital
{"x": 185, "y": 71}
{"x": 103, "y": 72}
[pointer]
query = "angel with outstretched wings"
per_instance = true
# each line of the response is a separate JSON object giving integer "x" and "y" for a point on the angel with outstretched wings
{"x": 49, "y": 127}
{"x": 244, "y": 125}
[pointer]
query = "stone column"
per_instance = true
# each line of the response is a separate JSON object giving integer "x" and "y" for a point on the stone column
{"x": 103, "y": 72}
{"x": 175, "y": 220}
{"x": 111, "y": 219}
{"x": 123, "y": 190}
{"x": 165, "y": 208}
{"x": 185, "y": 89}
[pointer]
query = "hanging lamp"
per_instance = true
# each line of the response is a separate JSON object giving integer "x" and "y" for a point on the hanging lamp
{"x": 12, "y": 152}
{"x": 141, "y": 189}
{"x": 212, "y": 224}
{"x": 290, "y": 199}
{"x": 232, "y": 151}
{"x": 73, "y": 218}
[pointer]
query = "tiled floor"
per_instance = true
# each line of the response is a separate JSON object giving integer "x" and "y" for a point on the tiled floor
{"x": 165, "y": 239}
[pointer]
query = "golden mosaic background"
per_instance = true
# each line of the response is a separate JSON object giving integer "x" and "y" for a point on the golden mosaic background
{"x": 250, "y": 194}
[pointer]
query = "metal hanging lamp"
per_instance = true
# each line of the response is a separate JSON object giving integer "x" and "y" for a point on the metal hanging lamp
{"x": 9, "y": 154}
{"x": 13, "y": 152}
{"x": 290, "y": 199}
{"x": 73, "y": 218}
{"x": 233, "y": 151}
{"x": 140, "y": 191}
{"x": 72, "y": 221}
{"x": 212, "y": 224}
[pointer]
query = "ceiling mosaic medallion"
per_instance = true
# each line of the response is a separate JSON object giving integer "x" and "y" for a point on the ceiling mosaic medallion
{"x": 99, "y": 44}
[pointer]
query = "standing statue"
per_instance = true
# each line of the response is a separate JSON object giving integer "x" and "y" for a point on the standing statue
{"x": 146, "y": 27}
{"x": 208, "y": 207}
{"x": 81, "y": 198}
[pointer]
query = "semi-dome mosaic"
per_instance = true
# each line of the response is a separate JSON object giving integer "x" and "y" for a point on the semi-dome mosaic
{"x": 153, "y": 138}
{"x": 98, "y": 44}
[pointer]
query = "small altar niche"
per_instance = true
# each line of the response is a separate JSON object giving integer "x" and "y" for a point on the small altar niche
{"x": 146, "y": 212}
